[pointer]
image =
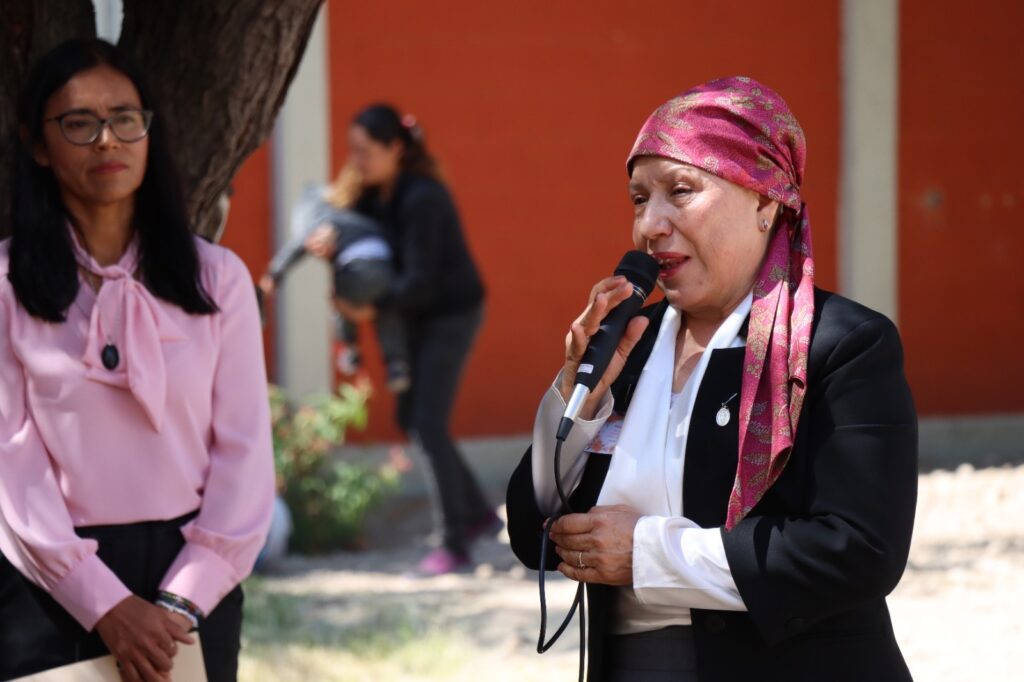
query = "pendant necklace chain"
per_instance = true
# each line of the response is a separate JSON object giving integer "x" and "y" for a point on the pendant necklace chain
{"x": 110, "y": 356}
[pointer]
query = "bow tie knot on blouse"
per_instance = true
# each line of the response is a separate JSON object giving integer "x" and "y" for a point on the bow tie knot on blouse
{"x": 127, "y": 316}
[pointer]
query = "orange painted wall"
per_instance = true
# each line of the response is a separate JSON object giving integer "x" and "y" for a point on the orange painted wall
{"x": 248, "y": 230}
{"x": 532, "y": 107}
{"x": 961, "y": 194}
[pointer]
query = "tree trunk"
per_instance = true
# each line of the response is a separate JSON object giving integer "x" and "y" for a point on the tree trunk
{"x": 220, "y": 71}
{"x": 28, "y": 28}
{"x": 229, "y": 69}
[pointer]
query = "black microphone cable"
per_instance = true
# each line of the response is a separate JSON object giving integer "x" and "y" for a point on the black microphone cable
{"x": 578, "y": 600}
{"x": 640, "y": 270}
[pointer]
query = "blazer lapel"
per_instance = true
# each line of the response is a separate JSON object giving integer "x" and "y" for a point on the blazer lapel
{"x": 711, "y": 449}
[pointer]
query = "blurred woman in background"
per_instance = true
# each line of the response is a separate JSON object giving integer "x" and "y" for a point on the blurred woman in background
{"x": 439, "y": 294}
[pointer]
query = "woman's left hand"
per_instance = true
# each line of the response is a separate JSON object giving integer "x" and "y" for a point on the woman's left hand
{"x": 180, "y": 621}
{"x": 601, "y": 540}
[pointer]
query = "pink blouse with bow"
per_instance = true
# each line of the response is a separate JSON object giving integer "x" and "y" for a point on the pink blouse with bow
{"x": 181, "y": 423}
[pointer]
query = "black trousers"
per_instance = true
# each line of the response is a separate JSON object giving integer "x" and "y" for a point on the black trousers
{"x": 665, "y": 655}
{"x": 37, "y": 634}
{"x": 441, "y": 345}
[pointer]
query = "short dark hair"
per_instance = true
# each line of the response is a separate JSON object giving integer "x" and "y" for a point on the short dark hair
{"x": 43, "y": 271}
{"x": 383, "y": 123}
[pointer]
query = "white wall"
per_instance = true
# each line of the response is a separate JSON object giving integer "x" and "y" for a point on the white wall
{"x": 868, "y": 229}
{"x": 300, "y": 155}
{"x": 109, "y": 15}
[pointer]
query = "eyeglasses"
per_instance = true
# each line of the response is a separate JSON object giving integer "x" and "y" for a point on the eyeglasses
{"x": 83, "y": 127}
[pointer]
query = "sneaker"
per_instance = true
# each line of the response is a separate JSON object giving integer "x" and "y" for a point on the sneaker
{"x": 442, "y": 561}
{"x": 488, "y": 525}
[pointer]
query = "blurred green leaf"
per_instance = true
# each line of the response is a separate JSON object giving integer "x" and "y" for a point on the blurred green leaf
{"x": 329, "y": 497}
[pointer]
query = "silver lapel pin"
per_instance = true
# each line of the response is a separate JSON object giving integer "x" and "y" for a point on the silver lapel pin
{"x": 723, "y": 415}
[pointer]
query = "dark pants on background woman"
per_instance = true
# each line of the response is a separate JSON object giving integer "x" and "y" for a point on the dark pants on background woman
{"x": 440, "y": 345}
{"x": 37, "y": 634}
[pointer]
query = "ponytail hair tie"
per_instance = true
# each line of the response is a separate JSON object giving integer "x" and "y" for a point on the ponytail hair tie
{"x": 410, "y": 123}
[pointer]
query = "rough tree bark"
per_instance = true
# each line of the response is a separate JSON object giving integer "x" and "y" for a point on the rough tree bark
{"x": 229, "y": 69}
{"x": 27, "y": 30}
{"x": 220, "y": 71}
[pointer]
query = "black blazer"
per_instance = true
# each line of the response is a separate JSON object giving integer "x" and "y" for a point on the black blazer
{"x": 815, "y": 558}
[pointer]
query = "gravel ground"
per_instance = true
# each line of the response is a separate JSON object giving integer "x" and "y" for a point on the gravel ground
{"x": 362, "y": 617}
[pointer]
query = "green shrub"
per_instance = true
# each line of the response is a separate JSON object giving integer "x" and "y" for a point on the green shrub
{"x": 328, "y": 496}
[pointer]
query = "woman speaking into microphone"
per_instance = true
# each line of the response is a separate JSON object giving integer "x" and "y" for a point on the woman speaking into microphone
{"x": 745, "y": 472}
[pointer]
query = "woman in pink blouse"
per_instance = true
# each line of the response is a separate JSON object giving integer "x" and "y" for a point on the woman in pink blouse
{"x": 136, "y": 472}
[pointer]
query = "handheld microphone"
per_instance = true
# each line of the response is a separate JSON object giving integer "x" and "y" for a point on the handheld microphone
{"x": 642, "y": 272}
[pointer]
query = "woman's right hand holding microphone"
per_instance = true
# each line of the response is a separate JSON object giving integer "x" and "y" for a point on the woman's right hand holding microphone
{"x": 605, "y": 295}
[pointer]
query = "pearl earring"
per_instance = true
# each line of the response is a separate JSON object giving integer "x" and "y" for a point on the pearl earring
{"x": 764, "y": 225}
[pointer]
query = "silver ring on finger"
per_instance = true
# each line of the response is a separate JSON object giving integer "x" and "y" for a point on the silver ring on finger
{"x": 579, "y": 560}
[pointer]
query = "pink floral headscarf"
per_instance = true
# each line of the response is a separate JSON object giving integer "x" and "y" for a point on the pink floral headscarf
{"x": 744, "y": 132}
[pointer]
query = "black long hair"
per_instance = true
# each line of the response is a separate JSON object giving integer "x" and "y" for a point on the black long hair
{"x": 43, "y": 271}
{"x": 383, "y": 123}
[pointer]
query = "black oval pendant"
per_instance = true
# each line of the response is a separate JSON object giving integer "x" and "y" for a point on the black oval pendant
{"x": 110, "y": 356}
